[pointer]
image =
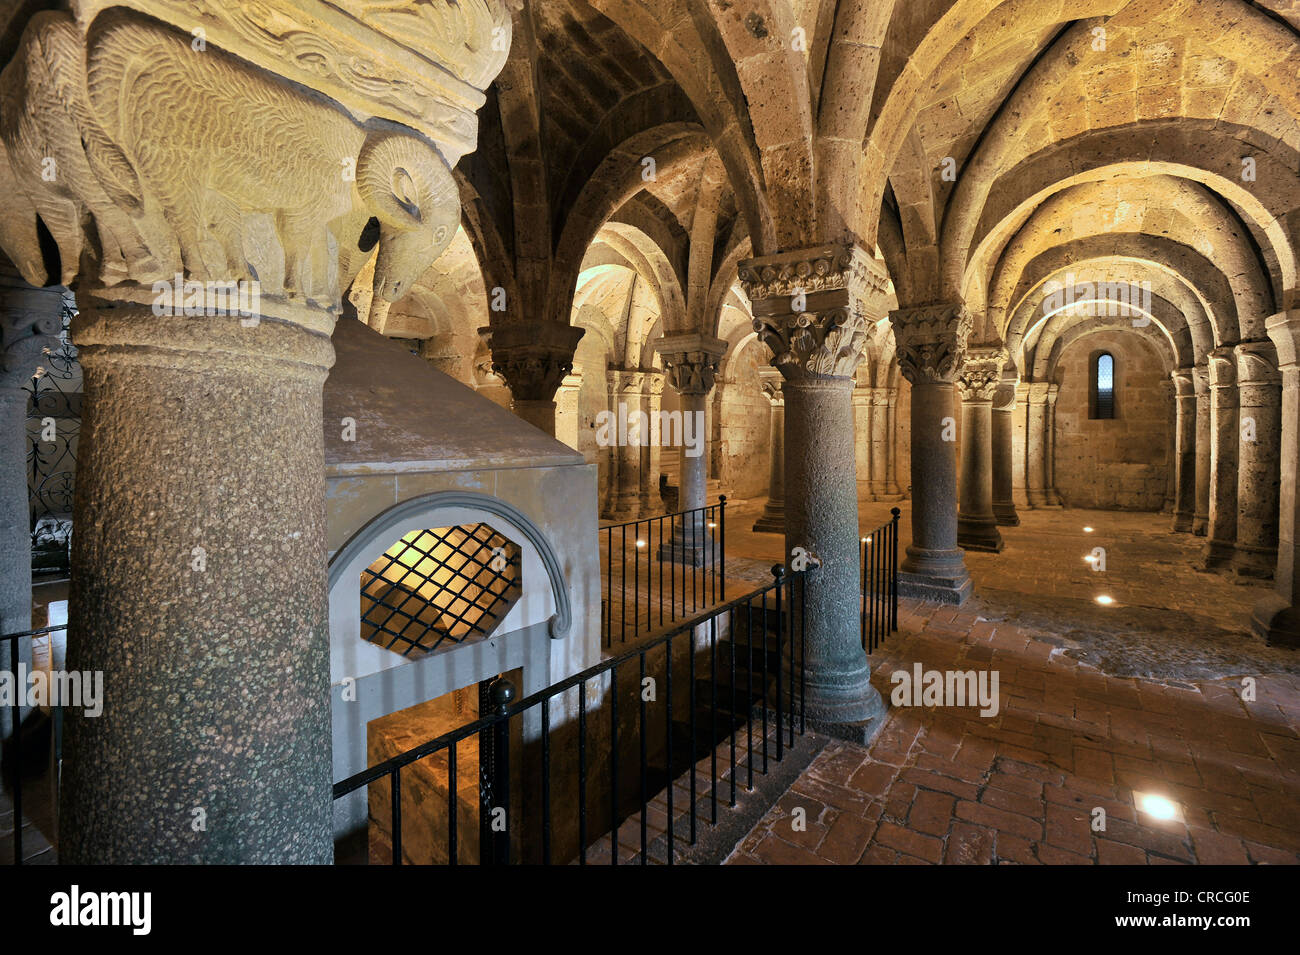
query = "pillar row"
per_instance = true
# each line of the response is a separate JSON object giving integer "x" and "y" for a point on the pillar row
{"x": 977, "y": 525}
{"x": 931, "y": 343}
{"x": 813, "y": 308}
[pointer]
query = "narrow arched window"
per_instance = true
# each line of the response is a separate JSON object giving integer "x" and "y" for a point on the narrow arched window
{"x": 1103, "y": 386}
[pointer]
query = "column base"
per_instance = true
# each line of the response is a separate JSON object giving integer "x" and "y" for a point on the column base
{"x": 853, "y": 711}
{"x": 1200, "y": 525}
{"x": 1005, "y": 513}
{"x": 1218, "y": 555}
{"x": 1276, "y": 621}
{"x": 772, "y": 520}
{"x": 979, "y": 533}
{"x": 1183, "y": 522}
{"x": 1256, "y": 563}
{"x": 936, "y": 576}
{"x": 697, "y": 554}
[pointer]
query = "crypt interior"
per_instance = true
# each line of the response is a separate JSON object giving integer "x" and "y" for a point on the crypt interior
{"x": 386, "y": 385}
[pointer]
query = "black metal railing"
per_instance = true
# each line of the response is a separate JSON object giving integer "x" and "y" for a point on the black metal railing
{"x": 880, "y": 583}
{"x": 9, "y": 651}
{"x": 743, "y": 665}
{"x": 676, "y": 564}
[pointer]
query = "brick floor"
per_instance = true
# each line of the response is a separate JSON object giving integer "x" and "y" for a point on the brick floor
{"x": 1077, "y": 734}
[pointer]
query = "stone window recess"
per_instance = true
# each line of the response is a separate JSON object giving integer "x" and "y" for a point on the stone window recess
{"x": 438, "y": 588}
{"x": 1103, "y": 386}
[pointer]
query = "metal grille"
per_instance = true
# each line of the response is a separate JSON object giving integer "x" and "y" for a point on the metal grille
{"x": 439, "y": 586}
{"x": 53, "y": 427}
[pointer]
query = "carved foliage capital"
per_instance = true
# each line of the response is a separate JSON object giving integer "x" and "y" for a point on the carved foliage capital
{"x": 532, "y": 357}
{"x": 691, "y": 362}
{"x": 981, "y": 373}
{"x": 931, "y": 341}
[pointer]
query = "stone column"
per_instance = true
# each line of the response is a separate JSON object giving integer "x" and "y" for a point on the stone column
{"x": 1259, "y": 391}
{"x": 627, "y": 437}
{"x": 652, "y": 391}
{"x": 879, "y": 442}
{"x": 1004, "y": 429}
{"x": 772, "y": 520}
{"x": 862, "y": 427}
{"x": 209, "y": 222}
{"x": 892, "y": 490}
{"x": 533, "y": 358}
{"x": 30, "y": 321}
{"x": 813, "y": 309}
{"x": 1277, "y": 616}
{"x": 931, "y": 351}
{"x": 977, "y": 525}
{"x": 691, "y": 367}
{"x": 1184, "y": 450}
{"x": 1036, "y": 445}
{"x": 1224, "y": 439}
{"x": 1201, "y": 386}
{"x": 567, "y": 412}
{"x": 1052, "y": 498}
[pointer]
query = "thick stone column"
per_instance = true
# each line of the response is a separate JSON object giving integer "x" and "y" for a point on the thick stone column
{"x": 931, "y": 351}
{"x": 1259, "y": 390}
{"x": 977, "y": 525}
{"x": 772, "y": 520}
{"x": 879, "y": 443}
{"x": 30, "y": 321}
{"x": 533, "y": 358}
{"x": 1277, "y": 616}
{"x": 813, "y": 309}
{"x": 652, "y": 391}
{"x": 1004, "y": 430}
{"x": 691, "y": 368}
{"x": 567, "y": 412}
{"x": 1184, "y": 450}
{"x": 209, "y": 279}
{"x": 1224, "y": 439}
{"x": 1201, "y": 386}
{"x": 624, "y": 501}
{"x": 1036, "y": 444}
{"x": 1050, "y": 494}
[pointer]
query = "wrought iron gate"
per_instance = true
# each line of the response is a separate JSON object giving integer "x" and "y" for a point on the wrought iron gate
{"x": 53, "y": 427}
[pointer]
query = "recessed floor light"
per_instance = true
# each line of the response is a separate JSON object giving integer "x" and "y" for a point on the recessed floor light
{"x": 1158, "y": 807}
{"x": 1105, "y": 600}
{"x": 1087, "y": 530}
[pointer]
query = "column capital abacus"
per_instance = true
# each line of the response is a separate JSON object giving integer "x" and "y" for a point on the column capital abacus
{"x": 1284, "y": 331}
{"x": 814, "y": 307}
{"x": 1222, "y": 367}
{"x": 931, "y": 341}
{"x": 1256, "y": 363}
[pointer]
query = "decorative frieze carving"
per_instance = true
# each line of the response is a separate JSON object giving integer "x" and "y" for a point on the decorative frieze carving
{"x": 931, "y": 341}
{"x": 532, "y": 357}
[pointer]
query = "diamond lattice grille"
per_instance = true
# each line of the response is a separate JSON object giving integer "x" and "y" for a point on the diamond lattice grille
{"x": 439, "y": 587}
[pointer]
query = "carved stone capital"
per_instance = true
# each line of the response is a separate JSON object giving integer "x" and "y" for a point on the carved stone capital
{"x": 532, "y": 357}
{"x": 1222, "y": 367}
{"x": 814, "y": 308}
{"x": 771, "y": 381}
{"x": 171, "y": 141}
{"x": 691, "y": 362}
{"x": 1201, "y": 379}
{"x": 1256, "y": 363}
{"x": 981, "y": 373}
{"x": 931, "y": 341}
{"x": 1284, "y": 332}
